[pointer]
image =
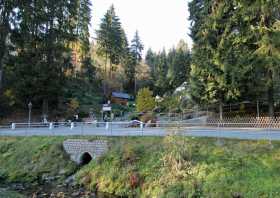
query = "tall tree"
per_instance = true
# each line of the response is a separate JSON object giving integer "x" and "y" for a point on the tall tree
{"x": 178, "y": 65}
{"x": 267, "y": 31}
{"x": 84, "y": 19}
{"x": 43, "y": 57}
{"x": 235, "y": 50}
{"x": 136, "y": 52}
{"x": 7, "y": 19}
{"x": 137, "y": 47}
{"x": 169, "y": 70}
{"x": 109, "y": 39}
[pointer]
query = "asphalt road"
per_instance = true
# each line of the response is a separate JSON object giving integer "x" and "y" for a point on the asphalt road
{"x": 236, "y": 133}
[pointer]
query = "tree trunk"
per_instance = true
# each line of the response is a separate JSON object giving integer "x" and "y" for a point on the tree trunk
{"x": 270, "y": 93}
{"x": 258, "y": 109}
{"x": 2, "y": 55}
{"x": 45, "y": 107}
{"x": 1, "y": 77}
{"x": 110, "y": 71}
{"x": 135, "y": 86}
{"x": 270, "y": 102}
{"x": 105, "y": 76}
{"x": 106, "y": 65}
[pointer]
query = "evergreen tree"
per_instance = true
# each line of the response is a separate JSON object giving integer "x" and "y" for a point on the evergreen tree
{"x": 110, "y": 39}
{"x": 178, "y": 65}
{"x": 150, "y": 60}
{"x": 235, "y": 51}
{"x": 7, "y": 19}
{"x": 84, "y": 19}
{"x": 267, "y": 31}
{"x": 169, "y": 71}
{"x": 136, "y": 49}
{"x": 42, "y": 56}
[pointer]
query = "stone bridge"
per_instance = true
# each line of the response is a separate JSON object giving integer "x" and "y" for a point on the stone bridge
{"x": 83, "y": 151}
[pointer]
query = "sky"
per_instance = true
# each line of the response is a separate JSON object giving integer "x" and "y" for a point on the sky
{"x": 160, "y": 23}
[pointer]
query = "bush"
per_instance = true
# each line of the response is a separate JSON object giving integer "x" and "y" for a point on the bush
{"x": 148, "y": 117}
{"x": 145, "y": 101}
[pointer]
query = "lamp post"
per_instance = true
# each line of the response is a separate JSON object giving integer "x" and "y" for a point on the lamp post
{"x": 29, "y": 113}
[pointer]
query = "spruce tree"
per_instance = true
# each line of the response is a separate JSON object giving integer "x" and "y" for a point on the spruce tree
{"x": 7, "y": 19}
{"x": 235, "y": 53}
{"x": 110, "y": 39}
{"x": 84, "y": 19}
{"x": 136, "y": 49}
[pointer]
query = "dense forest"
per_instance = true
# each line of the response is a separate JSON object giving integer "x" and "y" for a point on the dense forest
{"x": 236, "y": 52}
{"x": 48, "y": 57}
{"x": 44, "y": 54}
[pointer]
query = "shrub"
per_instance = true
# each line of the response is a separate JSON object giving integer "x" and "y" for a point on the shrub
{"x": 148, "y": 117}
{"x": 145, "y": 101}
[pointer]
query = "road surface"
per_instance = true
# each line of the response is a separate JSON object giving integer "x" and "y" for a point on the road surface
{"x": 88, "y": 130}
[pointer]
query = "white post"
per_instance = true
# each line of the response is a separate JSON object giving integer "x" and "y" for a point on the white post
{"x": 72, "y": 126}
{"x": 142, "y": 127}
{"x": 13, "y": 126}
{"x": 51, "y": 126}
{"x": 107, "y": 125}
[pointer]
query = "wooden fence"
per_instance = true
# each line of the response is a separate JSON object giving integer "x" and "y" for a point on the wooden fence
{"x": 246, "y": 122}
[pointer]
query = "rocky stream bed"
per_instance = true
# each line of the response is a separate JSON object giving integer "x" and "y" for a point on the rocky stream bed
{"x": 47, "y": 191}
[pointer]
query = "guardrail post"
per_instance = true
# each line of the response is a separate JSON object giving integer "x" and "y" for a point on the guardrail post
{"x": 107, "y": 125}
{"x": 51, "y": 126}
{"x": 72, "y": 126}
{"x": 13, "y": 126}
{"x": 142, "y": 128}
{"x": 141, "y": 125}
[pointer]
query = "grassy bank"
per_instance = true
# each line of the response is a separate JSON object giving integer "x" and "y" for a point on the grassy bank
{"x": 170, "y": 167}
{"x": 29, "y": 160}
{"x": 10, "y": 194}
{"x": 174, "y": 167}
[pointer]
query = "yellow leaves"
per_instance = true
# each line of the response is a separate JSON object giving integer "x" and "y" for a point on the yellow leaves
{"x": 145, "y": 101}
{"x": 73, "y": 104}
{"x": 276, "y": 25}
{"x": 11, "y": 96}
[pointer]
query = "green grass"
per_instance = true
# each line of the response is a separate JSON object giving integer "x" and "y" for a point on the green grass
{"x": 9, "y": 194}
{"x": 153, "y": 167}
{"x": 27, "y": 159}
{"x": 186, "y": 167}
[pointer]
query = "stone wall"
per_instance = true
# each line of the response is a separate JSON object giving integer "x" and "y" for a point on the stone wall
{"x": 76, "y": 148}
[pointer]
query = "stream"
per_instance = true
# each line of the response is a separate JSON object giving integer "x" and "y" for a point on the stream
{"x": 47, "y": 191}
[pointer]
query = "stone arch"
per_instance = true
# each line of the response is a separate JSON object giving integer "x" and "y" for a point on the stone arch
{"x": 85, "y": 158}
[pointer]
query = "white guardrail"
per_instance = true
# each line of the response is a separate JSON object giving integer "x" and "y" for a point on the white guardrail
{"x": 136, "y": 124}
{"x": 133, "y": 127}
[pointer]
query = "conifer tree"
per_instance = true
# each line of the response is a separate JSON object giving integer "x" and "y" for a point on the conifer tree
{"x": 235, "y": 51}
{"x": 110, "y": 39}
{"x": 7, "y": 19}
{"x": 136, "y": 49}
{"x": 84, "y": 19}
